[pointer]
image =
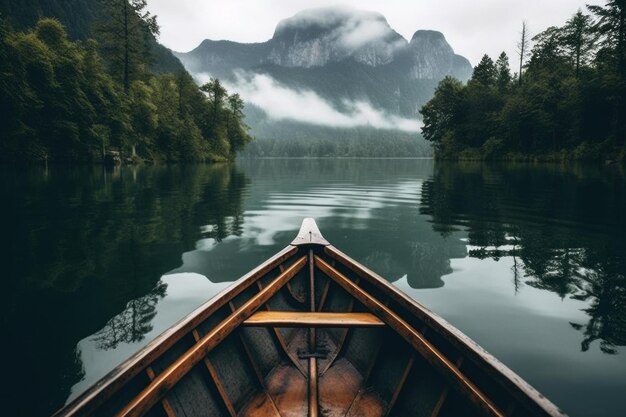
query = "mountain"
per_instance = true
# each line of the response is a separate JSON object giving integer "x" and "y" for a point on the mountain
{"x": 318, "y": 37}
{"x": 342, "y": 60}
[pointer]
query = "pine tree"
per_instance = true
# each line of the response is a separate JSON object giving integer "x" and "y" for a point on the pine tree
{"x": 503, "y": 72}
{"x": 125, "y": 30}
{"x": 485, "y": 72}
{"x": 579, "y": 39}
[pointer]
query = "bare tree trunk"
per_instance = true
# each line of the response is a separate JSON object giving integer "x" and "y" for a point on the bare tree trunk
{"x": 126, "y": 49}
{"x": 522, "y": 48}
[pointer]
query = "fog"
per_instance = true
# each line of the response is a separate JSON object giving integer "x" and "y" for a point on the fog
{"x": 359, "y": 27}
{"x": 280, "y": 102}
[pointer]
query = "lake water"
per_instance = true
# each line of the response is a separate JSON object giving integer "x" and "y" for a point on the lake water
{"x": 528, "y": 260}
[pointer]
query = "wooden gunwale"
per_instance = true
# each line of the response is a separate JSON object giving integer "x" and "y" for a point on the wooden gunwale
{"x": 517, "y": 387}
{"x": 308, "y": 242}
{"x": 313, "y": 389}
{"x": 123, "y": 373}
{"x": 169, "y": 377}
{"x": 415, "y": 339}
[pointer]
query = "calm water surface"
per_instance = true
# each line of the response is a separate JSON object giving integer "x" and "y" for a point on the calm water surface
{"x": 529, "y": 261}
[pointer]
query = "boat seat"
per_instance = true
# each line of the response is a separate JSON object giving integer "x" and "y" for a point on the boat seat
{"x": 312, "y": 319}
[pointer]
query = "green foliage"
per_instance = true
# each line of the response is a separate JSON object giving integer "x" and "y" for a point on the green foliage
{"x": 503, "y": 72}
{"x": 358, "y": 142}
{"x": 572, "y": 104}
{"x": 60, "y": 99}
{"x": 124, "y": 31}
{"x": 485, "y": 72}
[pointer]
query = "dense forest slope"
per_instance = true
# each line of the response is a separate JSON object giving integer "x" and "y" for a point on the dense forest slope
{"x": 79, "y": 80}
{"x": 79, "y": 18}
{"x": 569, "y": 102}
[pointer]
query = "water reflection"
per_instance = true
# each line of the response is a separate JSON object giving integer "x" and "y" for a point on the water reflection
{"x": 86, "y": 253}
{"x": 370, "y": 208}
{"x": 132, "y": 324}
{"x": 100, "y": 262}
{"x": 562, "y": 226}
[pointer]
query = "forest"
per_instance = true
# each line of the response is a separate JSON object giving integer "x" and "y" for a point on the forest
{"x": 309, "y": 141}
{"x": 75, "y": 90}
{"x": 566, "y": 102}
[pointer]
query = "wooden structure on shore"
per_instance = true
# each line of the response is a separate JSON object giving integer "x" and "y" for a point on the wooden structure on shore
{"x": 311, "y": 332}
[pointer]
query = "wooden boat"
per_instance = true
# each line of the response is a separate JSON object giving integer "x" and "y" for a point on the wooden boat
{"x": 311, "y": 332}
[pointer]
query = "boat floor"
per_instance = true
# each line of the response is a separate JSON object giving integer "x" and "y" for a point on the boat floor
{"x": 340, "y": 394}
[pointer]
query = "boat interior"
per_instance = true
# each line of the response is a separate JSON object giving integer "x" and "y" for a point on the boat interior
{"x": 311, "y": 333}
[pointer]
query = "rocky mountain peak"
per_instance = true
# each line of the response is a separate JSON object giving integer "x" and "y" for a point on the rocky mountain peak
{"x": 431, "y": 57}
{"x": 315, "y": 37}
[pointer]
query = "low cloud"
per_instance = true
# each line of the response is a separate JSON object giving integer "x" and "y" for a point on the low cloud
{"x": 280, "y": 102}
{"x": 351, "y": 28}
{"x": 359, "y": 32}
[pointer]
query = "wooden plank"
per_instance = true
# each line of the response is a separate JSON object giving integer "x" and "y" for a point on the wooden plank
{"x": 288, "y": 388}
{"x": 164, "y": 402}
{"x": 246, "y": 348}
{"x": 261, "y": 406}
{"x": 309, "y": 234}
{"x": 293, "y": 294}
{"x": 398, "y": 389}
{"x": 344, "y": 334}
{"x": 309, "y": 319}
{"x": 168, "y": 378}
{"x": 118, "y": 377}
{"x": 444, "y": 394}
{"x": 518, "y": 388}
{"x": 313, "y": 394}
{"x": 292, "y": 355}
{"x": 366, "y": 404}
{"x": 324, "y": 296}
{"x": 423, "y": 346}
{"x": 312, "y": 341}
{"x": 338, "y": 388}
{"x": 216, "y": 380}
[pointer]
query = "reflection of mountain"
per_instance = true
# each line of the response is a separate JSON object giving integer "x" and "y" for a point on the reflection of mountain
{"x": 540, "y": 217}
{"x": 86, "y": 251}
{"x": 377, "y": 205}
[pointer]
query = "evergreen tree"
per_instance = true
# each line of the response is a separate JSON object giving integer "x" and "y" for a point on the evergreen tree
{"x": 440, "y": 114}
{"x": 503, "y": 72}
{"x": 579, "y": 39}
{"x": 237, "y": 135}
{"x": 611, "y": 26}
{"x": 485, "y": 73}
{"x": 125, "y": 30}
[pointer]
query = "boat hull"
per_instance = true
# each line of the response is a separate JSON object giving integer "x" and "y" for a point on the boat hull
{"x": 311, "y": 332}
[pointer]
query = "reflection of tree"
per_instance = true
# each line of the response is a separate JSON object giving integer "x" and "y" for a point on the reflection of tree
{"x": 220, "y": 208}
{"x": 605, "y": 289}
{"x": 539, "y": 216}
{"x": 132, "y": 324}
{"x": 87, "y": 243}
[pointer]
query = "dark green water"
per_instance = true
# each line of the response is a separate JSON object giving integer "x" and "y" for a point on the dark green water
{"x": 529, "y": 261}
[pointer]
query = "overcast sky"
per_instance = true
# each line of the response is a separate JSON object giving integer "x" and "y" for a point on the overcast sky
{"x": 472, "y": 27}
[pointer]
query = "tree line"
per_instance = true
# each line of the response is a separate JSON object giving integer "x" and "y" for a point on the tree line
{"x": 568, "y": 101}
{"x": 75, "y": 100}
